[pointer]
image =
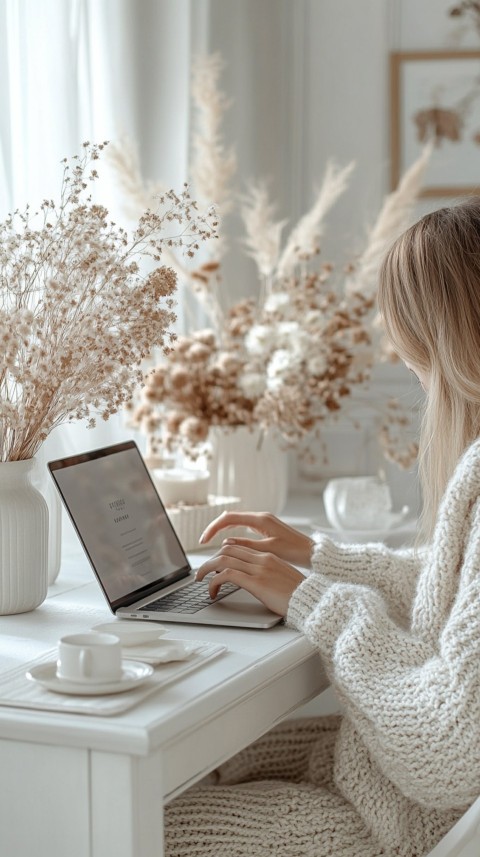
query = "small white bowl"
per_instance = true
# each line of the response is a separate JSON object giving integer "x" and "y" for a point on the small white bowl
{"x": 189, "y": 522}
{"x": 177, "y": 485}
{"x": 131, "y": 633}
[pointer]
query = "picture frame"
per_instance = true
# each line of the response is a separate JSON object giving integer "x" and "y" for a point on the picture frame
{"x": 436, "y": 95}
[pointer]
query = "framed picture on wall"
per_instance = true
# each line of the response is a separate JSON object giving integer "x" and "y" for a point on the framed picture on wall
{"x": 435, "y": 95}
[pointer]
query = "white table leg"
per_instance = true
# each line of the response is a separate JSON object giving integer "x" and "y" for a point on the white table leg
{"x": 126, "y": 805}
{"x": 43, "y": 800}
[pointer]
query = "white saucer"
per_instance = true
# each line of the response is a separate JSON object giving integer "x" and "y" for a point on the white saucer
{"x": 395, "y": 536}
{"x": 133, "y": 674}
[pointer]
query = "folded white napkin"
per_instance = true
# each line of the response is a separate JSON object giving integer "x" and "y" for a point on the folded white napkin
{"x": 160, "y": 651}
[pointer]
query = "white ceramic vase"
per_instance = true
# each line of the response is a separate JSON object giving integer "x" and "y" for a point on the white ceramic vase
{"x": 23, "y": 539}
{"x": 250, "y": 465}
{"x": 45, "y": 484}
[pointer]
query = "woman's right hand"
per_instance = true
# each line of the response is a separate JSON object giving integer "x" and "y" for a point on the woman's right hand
{"x": 277, "y": 538}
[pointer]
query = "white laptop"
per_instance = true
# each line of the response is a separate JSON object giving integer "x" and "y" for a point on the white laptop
{"x": 133, "y": 548}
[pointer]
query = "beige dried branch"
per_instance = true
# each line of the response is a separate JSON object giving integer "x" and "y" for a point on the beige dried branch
{"x": 393, "y": 219}
{"x": 304, "y": 238}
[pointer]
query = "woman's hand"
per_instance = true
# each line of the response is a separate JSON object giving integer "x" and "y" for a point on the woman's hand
{"x": 263, "y": 574}
{"x": 279, "y": 539}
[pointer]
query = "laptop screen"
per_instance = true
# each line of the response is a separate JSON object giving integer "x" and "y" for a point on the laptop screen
{"x": 121, "y": 521}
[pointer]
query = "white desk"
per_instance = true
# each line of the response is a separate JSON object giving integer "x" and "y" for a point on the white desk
{"x": 87, "y": 786}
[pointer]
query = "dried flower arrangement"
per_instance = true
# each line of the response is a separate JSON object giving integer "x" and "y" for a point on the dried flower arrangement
{"x": 79, "y": 311}
{"x": 268, "y": 369}
{"x": 289, "y": 359}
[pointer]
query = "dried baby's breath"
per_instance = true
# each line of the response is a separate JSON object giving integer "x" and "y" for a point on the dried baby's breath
{"x": 81, "y": 304}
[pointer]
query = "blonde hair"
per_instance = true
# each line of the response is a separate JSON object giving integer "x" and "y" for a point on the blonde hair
{"x": 429, "y": 298}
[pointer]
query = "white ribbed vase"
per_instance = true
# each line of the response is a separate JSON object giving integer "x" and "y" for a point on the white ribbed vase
{"x": 23, "y": 539}
{"x": 244, "y": 464}
{"x": 54, "y": 532}
{"x": 45, "y": 484}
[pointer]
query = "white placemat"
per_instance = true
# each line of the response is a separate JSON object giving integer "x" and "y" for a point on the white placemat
{"x": 17, "y": 691}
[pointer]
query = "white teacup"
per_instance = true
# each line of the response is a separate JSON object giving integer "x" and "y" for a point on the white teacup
{"x": 90, "y": 657}
{"x": 360, "y": 503}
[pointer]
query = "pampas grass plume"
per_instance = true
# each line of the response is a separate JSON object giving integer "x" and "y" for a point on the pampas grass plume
{"x": 304, "y": 238}
{"x": 393, "y": 219}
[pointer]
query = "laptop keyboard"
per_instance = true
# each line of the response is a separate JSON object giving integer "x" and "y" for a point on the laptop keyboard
{"x": 189, "y": 599}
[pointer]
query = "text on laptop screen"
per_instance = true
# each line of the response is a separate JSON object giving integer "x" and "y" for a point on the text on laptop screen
{"x": 121, "y": 521}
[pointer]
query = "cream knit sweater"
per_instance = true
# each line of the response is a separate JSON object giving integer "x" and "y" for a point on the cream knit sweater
{"x": 399, "y": 635}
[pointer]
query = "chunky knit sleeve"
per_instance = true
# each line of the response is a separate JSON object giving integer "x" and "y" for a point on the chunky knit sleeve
{"x": 393, "y": 573}
{"x": 413, "y": 694}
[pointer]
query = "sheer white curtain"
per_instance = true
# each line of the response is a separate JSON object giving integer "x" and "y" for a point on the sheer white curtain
{"x": 91, "y": 69}
{"x": 76, "y": 70}
{"x": 39, "y": 118}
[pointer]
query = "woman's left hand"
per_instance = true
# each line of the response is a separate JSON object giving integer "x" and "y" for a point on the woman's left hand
{"x": 264, "y": 575}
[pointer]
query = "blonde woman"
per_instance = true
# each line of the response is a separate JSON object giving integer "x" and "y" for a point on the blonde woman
{"x": 397, "y": 631}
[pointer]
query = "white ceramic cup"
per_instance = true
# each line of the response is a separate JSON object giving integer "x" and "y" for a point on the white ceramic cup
{"x": 90, "y": 658}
